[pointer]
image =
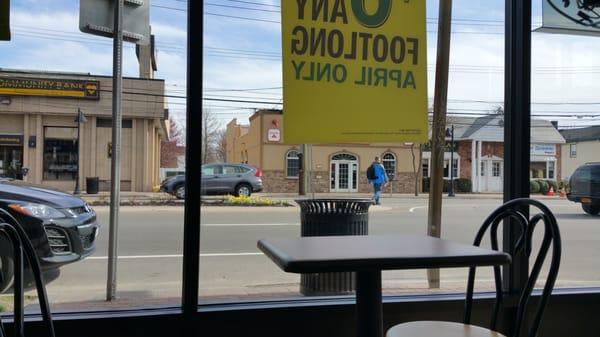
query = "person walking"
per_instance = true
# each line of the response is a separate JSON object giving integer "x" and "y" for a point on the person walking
{"x": 376, "y": 176}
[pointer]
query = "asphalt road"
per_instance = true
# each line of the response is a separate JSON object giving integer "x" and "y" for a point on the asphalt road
{"x": 150, "y": 248}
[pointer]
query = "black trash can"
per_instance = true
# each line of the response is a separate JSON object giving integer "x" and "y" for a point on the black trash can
{"x": 327, "y": 217}
{"x": 91, "y": 185}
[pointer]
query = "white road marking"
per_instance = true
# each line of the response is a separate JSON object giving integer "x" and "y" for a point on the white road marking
{"x": 169, "y": 256}
{"x": 246, "y": 224}
{"x": 413, "y": 209}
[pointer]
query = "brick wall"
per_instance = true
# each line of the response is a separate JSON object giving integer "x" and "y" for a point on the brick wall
{"x": 464, "y": 151}
{"x": 277, "y": 182}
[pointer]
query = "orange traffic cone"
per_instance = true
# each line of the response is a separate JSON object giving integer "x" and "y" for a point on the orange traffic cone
{"x": 551, "y": 192}
{"x": 562, "y": 193}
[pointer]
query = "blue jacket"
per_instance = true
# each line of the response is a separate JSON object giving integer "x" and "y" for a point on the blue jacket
{"x": 379, "y": 173}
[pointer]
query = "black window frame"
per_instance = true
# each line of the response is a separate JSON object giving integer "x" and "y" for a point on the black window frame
{"x": 191, "y": 317}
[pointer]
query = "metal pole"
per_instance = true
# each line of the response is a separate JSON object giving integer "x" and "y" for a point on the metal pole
{"x": 438, "y": 129}
{"x": 301, "y": 186}
{"x": 451, "y": 192}
{"x": 77, "y": 190}
{"x": 115, "y": 164}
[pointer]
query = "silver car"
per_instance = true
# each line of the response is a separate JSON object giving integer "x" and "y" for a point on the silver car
{"x": 221, "y": 178}
{"x": 236, "y": 179}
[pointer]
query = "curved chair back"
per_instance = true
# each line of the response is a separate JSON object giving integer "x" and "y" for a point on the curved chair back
{"x": 23, "y": 247}
{"x": 514, "y": 210}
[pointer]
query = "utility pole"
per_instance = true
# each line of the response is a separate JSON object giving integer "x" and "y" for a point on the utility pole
{"x": 79, "y": 119}
{"x": 301, "y": 186}
{"x": 438, "y": 129}
{"x": 115, "y": 163}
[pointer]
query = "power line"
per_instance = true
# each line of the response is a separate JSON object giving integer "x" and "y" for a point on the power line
{"x": 243, "y": 8}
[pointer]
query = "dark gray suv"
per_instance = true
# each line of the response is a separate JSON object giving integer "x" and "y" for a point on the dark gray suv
{"x": 584, "y": 187}
{"x": 222, "y": 178}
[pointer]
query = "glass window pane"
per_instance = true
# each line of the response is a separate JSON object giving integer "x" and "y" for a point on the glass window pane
{"x": 389, "y": 163}
{"x": 56, "y": 123}
{"x": 293, "y": 164}
{"x": 60, "y": 153}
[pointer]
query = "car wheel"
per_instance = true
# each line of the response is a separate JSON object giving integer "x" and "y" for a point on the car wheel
{"x": 591, "y": 209}
{"x": 180, "y": 192}
{"x": 6, "y": 273}
{"x": 243, "y": 190}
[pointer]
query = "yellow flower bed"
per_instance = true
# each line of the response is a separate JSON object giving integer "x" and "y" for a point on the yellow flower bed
{"x": 253, "y": 201}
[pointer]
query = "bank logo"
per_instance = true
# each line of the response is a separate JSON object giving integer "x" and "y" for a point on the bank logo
{"x": 91, "y": 89}
{"x": 582, "y": 12}
{"x": 373, "y": 20}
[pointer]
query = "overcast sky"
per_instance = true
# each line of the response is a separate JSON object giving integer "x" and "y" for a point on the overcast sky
{"x": 242, "y": 56}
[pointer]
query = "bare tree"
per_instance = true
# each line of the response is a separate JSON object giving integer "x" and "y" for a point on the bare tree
{"x": 173, "y": 147}
{"x": 498, "y": 110}
{"x": 210, "y": 136}
{"x": 176, "y": 132}
{"x": 417, "y": 167}
{"x": 221, "y": 145}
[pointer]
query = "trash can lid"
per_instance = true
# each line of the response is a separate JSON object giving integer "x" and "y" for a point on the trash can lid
{"x": 335, "y": 205}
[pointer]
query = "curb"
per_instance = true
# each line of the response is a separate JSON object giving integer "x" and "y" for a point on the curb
{"x": 163, "y": 199}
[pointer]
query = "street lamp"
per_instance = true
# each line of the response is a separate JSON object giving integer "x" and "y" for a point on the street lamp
{"x": 450, "y": 133}
{"x": 79, "y": 119}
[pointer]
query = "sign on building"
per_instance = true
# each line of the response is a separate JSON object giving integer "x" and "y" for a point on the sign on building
{"x": 542, "y": 149}
{"x": 14, "y": 140}
{"x": 354, "y": 71}
{"x": 579, "y": 17}
{"x": 49, "y": 87}
{"x": 97, "y": 17}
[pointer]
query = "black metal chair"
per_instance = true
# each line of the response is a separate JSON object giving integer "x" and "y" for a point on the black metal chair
{"x": 21, "y": 245}
{"x": 511, "y": 209}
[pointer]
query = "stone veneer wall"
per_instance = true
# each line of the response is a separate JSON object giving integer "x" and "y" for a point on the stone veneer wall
{"x": 277, "y": 182}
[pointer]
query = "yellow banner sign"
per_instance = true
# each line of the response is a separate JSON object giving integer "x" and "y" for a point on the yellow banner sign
{"x": 354, "y": 71}
{"x": 64, "y": 88}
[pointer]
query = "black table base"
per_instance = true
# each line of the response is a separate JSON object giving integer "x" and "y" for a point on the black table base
{"x": 368, "y": 304}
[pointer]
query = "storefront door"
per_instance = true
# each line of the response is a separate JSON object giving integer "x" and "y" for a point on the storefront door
{"x": 494, "y": 175}
{"x": 11, "y": 161}
{"x": 344, "y": 173}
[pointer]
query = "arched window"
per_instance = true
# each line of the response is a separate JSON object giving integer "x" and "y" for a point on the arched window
{"x": 343, "y": 156}
{"x": 292, "y": 164}
{"x": 389, "y": 163}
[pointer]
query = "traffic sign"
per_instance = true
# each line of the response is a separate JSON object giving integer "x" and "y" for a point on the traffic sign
{"x": 97, "y": 17}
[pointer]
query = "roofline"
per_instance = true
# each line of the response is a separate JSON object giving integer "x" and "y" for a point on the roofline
{"x": 67, "y": 73}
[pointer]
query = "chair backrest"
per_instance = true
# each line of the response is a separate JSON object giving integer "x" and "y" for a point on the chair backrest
{"x": 21, "y": 245}
{"x": 518, "y": 209}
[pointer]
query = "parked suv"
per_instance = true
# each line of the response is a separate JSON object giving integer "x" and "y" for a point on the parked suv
{"x": 223, "y": 178}
{"x": 584, "y": 187}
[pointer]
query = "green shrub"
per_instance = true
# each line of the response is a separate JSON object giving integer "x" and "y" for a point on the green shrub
{"x": 464, "y": 185}
{"x": 426, "y": 183}
{"x": 446, "y": 186}
{"x": 563, "y": 184}
{"x": 554, "y": 185}
{"x": 534, "y": 187}
{"x": 544, "y": 187}
{"x": 460, "y": 185}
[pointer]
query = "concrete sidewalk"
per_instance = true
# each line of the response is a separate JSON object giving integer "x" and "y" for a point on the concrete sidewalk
{"x": 159, "y": 198}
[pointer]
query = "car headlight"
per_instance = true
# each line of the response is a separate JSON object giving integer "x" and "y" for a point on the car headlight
{"x": 37, "y": 211}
